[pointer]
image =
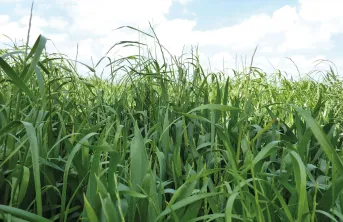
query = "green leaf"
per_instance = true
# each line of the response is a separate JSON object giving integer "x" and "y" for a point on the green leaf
{"x": 139, "y": 160}
{"x": 133, "y": 193}
{"x": 66, "y": 173}
{"x": 109, "y": 209}
{"x": 215, "y": 107}
{"x": 16, "y": 79}
{"x": 22, "y": 214}
{"x": 229, "y": 206}
{"x": 300, "y": 176}
{"x": 330, "y": 195}
{"x": 34, "y": 149}
{"x": 332, "y": 218}
{"x": 36, "y": 51}
{"x": 185, "y": 202}
{"x": 90, "y": 211}
{"x": 322, "y": 139}
{"x": 24, "y": 183}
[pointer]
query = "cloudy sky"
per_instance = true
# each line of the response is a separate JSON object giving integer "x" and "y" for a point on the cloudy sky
{"x": 304, "y": 30}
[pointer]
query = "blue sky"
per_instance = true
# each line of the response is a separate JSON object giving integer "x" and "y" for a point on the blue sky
{"x": 304, "y": 30}
{"x": 219, "y": 13}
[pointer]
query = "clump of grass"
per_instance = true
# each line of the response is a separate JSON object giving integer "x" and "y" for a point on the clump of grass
{"x": 168, "y": 142}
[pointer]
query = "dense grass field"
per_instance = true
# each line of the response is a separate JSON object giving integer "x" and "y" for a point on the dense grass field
{"x": 167, "y": 142}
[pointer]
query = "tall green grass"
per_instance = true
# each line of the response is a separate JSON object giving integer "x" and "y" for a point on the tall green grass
{"x": 168, "y": 142}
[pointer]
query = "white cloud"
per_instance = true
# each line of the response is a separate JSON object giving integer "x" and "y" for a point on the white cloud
{"x": 267, "y": 49}
{"x": 102, "y": 16}
{"x": 220, "y": 62}
{"x": 58, "y": 23}
{"x": 287, "y": 32}
{"x": 174, "y": 34}
{"x": 36, "y": 21}
{"x": 15, "y": 30}
{"x": 57, "y": 37}
{"x": 316, "y": 23}
{"x": 9, "y": 1}
{"x": 4, "y": 19}
{"x": 243, "y": 36}
{"x": 321, "y": 10}
{"x": 22, "y": 8}
{"x": 281, "y": 34}
{"x": 184, "y": 2}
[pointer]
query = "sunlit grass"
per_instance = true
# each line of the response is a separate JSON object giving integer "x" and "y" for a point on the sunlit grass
{"x": 169, "y": 142}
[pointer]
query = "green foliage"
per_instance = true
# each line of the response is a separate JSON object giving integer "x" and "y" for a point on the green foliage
{"x": 166, "y": 142}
